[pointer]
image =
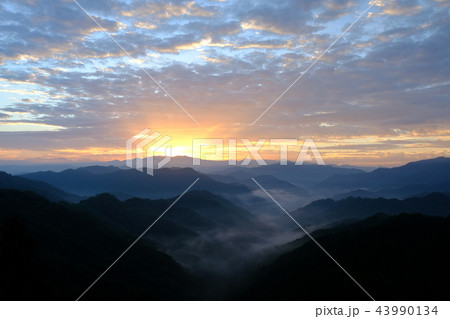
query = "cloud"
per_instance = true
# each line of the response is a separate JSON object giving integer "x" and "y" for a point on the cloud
{"x": 442, "y": 3}
{"x": 27, "y": 127}
{"x": 167, "y": 10}
{"x": 145, "y": 25}
{"x": 39, "y": 29}
{"x": 268, "y": 44}
{"x": 400, "y": 8}
{"x": 226, "y": 62}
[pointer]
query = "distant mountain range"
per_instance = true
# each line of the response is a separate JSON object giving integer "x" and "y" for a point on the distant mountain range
{"x": 329, "y": 211}
{"x": 417, "y": 178}
{"x": 399, "y": 192}
{"x": 408, "y": 180}
{"x": 305, "y": 176}
{"x": 48, "y": 191}
{"x": 127, "y": 183}
{"x": 59, "y": 165}
{"x": 426, "y": 173}
{"x": 284, "y": 182}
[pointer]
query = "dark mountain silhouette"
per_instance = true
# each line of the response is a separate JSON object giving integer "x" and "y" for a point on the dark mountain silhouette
{"x": 218, "y": 210}
{"x": 394, "y": 258}
{"x": 330, "y": 211}
{"x": 208, "y": 245}
{"x": 196, "y": 211}
{"x": 48, "y": 191}
{"x": 427, "y": 172}
{"x": 200, "y": 224}
{"x": 54, "y": 251}
{"x": 135, "y": 215}
{"x": 127, "y": 183}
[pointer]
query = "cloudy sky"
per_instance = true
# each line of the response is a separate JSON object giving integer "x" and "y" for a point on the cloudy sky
{"x": 379, "y": 96}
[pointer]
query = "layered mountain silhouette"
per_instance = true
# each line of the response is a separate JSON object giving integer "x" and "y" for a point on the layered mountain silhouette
{"x": 225, "y": 239}
{"x": 127, "y": 183}
{"x": 304, "y": 176}
{"x": 399, "y": 192}
{"x": 199, "y": 224}
{"x": 269, "y": 181}
{"x": 48, "y": 191}
{"x": 433, "y": 172}
{"x": 331, "y": 211}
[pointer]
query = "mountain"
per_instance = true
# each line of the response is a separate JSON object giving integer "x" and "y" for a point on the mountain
{"x": 206, "y": 166}
{"x": 21, "y": 167}
{"x": 218, "y": 210}
{"x": 127, "y": 183}
{"x": 399, "y": 192}
{"x": 363, "y": 168}
{"x": 328, "y": 211}
{"x": 205, "y": 246}
{"x": 270, "y": 182}
{"x": 41, "y": 188}
{"x": 135, "y": 215}
{"x": 54, "y": 251}
{"x": 427, "y": 172}
{"x": 304, "y": 176}
{"x": 203, "y": 231}
{"x": 394, "y": 258}
{"x": 290, "y": 184}
{"x": 197, "y": 211}
{"x": 209, "y": 243}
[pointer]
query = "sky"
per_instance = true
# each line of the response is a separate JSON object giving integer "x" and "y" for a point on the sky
{"x": 209, "y": 69}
